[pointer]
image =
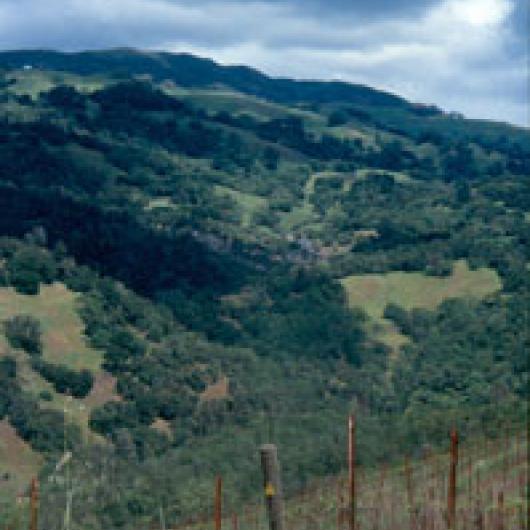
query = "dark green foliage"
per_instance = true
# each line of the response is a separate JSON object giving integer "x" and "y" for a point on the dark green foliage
{"x": 459, "y": 163}
{"x": 46, "y": 395}
{"x": 337, "y": 117}
{"x": 271, "y": 158}
{"x": 28, "y": 267}
{"x": 24, "y": 331}
{"x": 65, "y": 380}
{"x": 465, "y": 356}
{"x": 113, "y": 416}
{"x": 43, "y": 429}
{"x": 393, "y": 156}
{"x": 30, "y": 158}
{"x": 166, "y": 260}
{"x": 135, "y": 96}
{"x": 306, "y": 315}
{"x": 65, "y": 97}
{"x": 8, "y": 368}
{"x": 8, "y": 373}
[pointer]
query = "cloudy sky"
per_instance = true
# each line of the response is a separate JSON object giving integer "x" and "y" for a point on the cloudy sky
{"x": 464, "y": 55}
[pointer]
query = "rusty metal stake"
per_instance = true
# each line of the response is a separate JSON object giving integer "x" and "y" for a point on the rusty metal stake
{"x": 351, "y": 469}
{"x": 451, "y": 494}
{"x": 218, "y": 502}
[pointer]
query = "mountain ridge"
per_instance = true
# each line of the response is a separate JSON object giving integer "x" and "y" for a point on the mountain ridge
{"x": 158, "y": 62}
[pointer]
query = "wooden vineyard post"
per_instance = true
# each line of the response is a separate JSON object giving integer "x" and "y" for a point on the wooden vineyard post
{"x": 34, "y": 505}
{"x": 235, "y": 522}
{"x": 478, "y": 517}
{"x": 451, "y": 494}
{"x": 500, "y": 511}
{"x": 526, "y": 441}
{"x": 410, "y": 493}
{"x": 272, "y": 484}
{"x": 351, "y": 470}
{"x": 469, "y": 480}
{"x": 477, "y": 483}
{"x": 339, "y": 505}
{"x": 218, "y": 502}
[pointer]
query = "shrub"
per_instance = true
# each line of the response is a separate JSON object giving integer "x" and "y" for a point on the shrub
{"x": 30, "y": 266}
{"x": 337, "y": 117}
{"x": 45, "y": 395}
{"x": 24, "y": 331}
{"x": 65, "y": 380}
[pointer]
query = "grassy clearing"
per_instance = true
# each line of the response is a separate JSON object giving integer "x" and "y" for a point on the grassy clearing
{"x": 18, "y": 463}
{"x": 159, "y": 202}
{"x": 33, "y": 82}
{"x": 373, "y": 292}
{"x": 299, "y": 217}
{"x": 401, "y": 178}
{"x": 62, "y": 328}
{"x": 386, "y": 331}
{"x": 350, "y": 178}
{"x": 217, "y": 100}
{"x": 310, "y": 184}
{"x": 248, "y": 203}
{"x": 64, "y": 343}
{"x": 349, "y": 132}
{"x": 225, "y": 100}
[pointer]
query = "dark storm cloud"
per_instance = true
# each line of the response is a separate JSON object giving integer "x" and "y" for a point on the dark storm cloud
{"x": 466, "y": 55}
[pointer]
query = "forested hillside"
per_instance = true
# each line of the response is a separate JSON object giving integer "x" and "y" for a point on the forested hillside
{"x": 195, "y": 259}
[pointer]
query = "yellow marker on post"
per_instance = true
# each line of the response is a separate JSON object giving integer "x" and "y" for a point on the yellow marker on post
{"x": 272, "y": 486}
{"x": 269, "y": 490}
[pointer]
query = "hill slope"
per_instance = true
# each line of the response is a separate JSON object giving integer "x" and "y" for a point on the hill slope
{"x": 189, "y": 270}
{"x": 190, "y": 71}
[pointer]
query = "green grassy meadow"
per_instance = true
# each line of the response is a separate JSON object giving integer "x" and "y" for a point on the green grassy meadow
{"x": 63, "y": 343}
{"x": 373, "y": 292}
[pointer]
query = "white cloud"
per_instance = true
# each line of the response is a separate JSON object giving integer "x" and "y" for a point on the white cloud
{"x": 479, "y": 12}
{"x": 456, "y": 55}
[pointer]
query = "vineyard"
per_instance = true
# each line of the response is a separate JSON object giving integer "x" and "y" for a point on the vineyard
{"x": 481, "y": 484}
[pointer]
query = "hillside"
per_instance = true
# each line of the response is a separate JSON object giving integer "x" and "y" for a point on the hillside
{"x": 195, "y": 259}
{"x": 190, "y": 71}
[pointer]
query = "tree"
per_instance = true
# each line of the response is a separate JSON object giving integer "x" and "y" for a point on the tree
{"x": 337, "y": 117}
{"x": 30, "y": 266}
{"x": 24, "y": 331}
{"x": 65, "y": 380}
{"x": 271, "y": 158}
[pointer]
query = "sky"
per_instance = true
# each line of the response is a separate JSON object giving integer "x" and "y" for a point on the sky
{"x": 470, "y": 56}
